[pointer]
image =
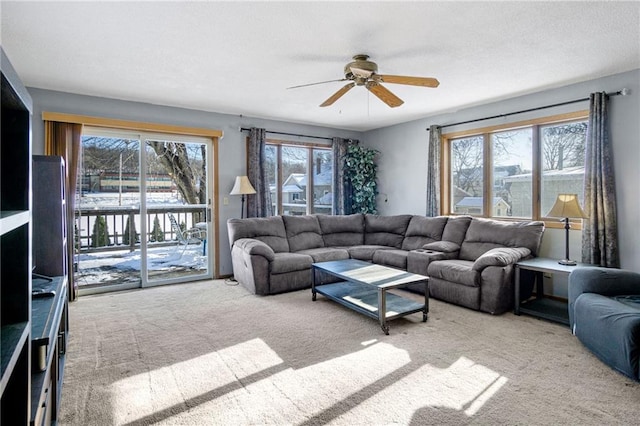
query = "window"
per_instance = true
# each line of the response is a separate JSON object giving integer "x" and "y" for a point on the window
{"x": 514, "y": 171}
{"x": 467, "y": 175}
{"x": 300, "y": 178}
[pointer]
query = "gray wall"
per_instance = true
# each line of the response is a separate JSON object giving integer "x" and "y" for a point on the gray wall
{"x": 231, "y": 152}
{"x": 403, "y": 155}
{"x": 403, "y": 148}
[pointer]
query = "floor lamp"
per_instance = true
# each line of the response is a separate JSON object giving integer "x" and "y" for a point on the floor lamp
{"x": 242, "y": 187}
{"x": 567, "y": 207}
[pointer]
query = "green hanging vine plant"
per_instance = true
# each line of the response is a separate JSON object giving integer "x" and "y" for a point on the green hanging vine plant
{"x": 360, "y": 171}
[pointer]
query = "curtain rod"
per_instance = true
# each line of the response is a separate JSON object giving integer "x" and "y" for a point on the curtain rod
{"x": 623, "y": 92}
{"x": 244, "y": 129}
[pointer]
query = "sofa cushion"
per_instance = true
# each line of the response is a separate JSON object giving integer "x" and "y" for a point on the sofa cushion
{"x": 326, "y": 254}
{"x": 486, "y": 234}
{"x": 385, "y": 230}
{"x": 365, "y": 252}
{"x": 423, "y": 230}
{"x": 392, "y": 257}
{"x": 303, "y": 232}
{"x": 456, "y": 271}
{"x": 269, "y": 230}
{"x": 342, "y": 230}
{"x": 456, "y": 229}
{"x": 289, "y": 262}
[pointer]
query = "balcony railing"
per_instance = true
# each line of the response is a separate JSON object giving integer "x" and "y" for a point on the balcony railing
{"x": 116, "y": 219}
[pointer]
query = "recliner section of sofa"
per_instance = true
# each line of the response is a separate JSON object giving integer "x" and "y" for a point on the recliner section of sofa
{"x": 469, "y": 261}
{"x": 480, "y": 277}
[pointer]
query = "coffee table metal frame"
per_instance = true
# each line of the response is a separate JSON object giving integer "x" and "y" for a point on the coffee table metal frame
{"x": 365, "y": 289}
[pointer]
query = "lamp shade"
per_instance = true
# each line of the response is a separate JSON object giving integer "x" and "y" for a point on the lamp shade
{"x": 567, "y": 206}
{"x": 242, "y": 186}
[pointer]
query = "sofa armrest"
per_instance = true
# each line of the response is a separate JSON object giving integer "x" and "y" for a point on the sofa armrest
{"x": 442, "y": 246}
{"x": 255, "y": 247}
{"x": 605, "y": 281}
{"x": 500, "y": 256}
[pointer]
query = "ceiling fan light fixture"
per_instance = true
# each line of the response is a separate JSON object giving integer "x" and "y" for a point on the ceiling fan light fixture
{"x": 362, "y": 72}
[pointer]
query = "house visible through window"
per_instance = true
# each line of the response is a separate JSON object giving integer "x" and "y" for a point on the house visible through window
{"x": 300, "y": 178}
{"x": 514, "y": 171}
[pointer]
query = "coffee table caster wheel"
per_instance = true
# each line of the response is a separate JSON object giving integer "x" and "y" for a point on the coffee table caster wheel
{"x": 385, "y": 328}
{"x": 313, "y": 297}
{"x": 424, "y": 317}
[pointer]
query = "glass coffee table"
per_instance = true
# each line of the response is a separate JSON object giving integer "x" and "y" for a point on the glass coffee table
{"x": 365, "y": 289}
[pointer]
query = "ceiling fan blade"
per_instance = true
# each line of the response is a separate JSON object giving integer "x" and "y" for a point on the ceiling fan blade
{"x": 411, "y": 81}
{"x": 313, "y": 84}
{"x": 337, "y": 95}
{"x": 384, "y": 94}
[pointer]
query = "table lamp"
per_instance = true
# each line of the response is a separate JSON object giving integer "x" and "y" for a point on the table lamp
{"x": 242, "y": 187}
{"x": 567, "y": 207}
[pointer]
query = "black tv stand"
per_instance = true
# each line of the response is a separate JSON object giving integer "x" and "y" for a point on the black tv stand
{"x": 48, "y": 347}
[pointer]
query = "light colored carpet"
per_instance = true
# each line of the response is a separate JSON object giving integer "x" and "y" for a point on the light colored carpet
{"x": 207, "y": 353}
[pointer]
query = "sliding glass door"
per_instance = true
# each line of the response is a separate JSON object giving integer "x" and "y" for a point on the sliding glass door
{"x": 143, "y": 210}
{"x": 178, "y": 206}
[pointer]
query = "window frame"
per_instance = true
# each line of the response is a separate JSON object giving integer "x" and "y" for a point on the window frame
{"x": 485, "y": 132}
{"x": 310, "y": 146}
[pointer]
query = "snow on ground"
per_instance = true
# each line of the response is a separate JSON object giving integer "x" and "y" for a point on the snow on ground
{"x": 116, "y": 267}
{"x": 129, "y": 199}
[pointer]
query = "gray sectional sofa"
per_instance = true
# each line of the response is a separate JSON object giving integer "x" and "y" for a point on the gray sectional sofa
{"x": 470, "y": 261}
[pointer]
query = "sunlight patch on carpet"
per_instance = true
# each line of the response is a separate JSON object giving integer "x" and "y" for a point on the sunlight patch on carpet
{"x": 295, "y": 395}
{"x": 212, "y": 387}
{"x": 156, "y": 390}
{"x": 465, "y": 387}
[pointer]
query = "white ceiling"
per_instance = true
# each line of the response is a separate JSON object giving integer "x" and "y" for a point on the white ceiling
{"x": 239, "y": 57}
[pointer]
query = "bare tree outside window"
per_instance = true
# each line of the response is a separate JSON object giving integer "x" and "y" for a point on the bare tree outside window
{"x": 511, "y": 162}
{"x": 467, "y": 167}
{"x": 185, "y": 163}
{"x": 512, "y": 154}
{"x": 563, "y": 145}
{"x": 110, "y": 159}
{"x": 467, "y": 173}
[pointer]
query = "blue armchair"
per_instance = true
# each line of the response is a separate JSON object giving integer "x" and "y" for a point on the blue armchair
{"x": 604, "y": 313}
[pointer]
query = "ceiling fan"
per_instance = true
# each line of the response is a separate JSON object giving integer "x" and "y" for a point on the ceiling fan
{"x": 362, "y": 72}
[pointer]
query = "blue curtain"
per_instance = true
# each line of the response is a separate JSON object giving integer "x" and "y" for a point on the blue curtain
{"x": 600, "y": 232}
{"x": 433, "y": 171}
{"x": 259, "y": 204}
{"x": 342, "y": 193}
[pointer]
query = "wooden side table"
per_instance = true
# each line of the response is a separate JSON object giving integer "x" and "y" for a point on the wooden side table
{"x": 540, "y": 306}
